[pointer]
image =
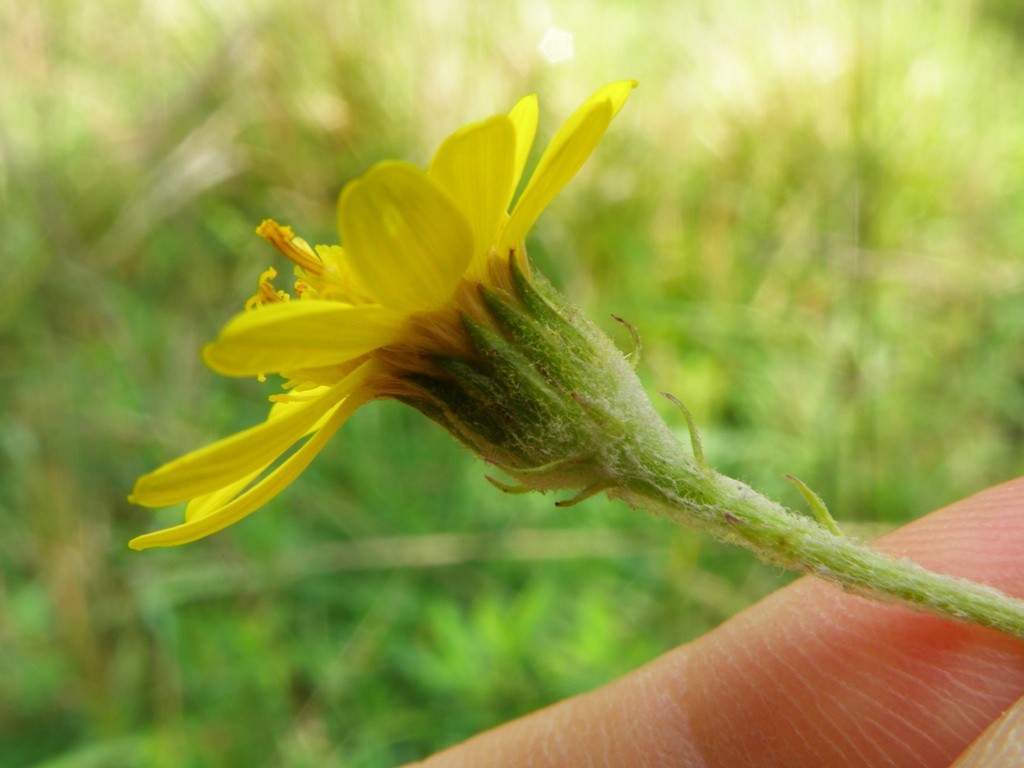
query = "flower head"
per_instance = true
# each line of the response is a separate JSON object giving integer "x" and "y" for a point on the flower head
{"x": 404, "y": 308}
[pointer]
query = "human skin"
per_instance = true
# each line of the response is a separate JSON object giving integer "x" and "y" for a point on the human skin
{"x": 808, "y": 677}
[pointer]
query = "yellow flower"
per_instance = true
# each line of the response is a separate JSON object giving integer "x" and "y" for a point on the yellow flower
{"x": 371, "y": 314}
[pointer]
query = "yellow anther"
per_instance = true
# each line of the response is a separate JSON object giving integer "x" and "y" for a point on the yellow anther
{"x": 294, "y": 248}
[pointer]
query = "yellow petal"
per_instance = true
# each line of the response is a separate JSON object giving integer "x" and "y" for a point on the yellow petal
{"x": 406, "y": 242}
{"x": 524, "y": 118}
{"x": 568, "y": 150}
{"x": 300, "y": 334}
{"x": 294, "y": 398}
{"x": 227, "y": 461}
{"x": 333, "y": 256}
{"x": 475, "y": 167}
{"x": 203, "y": 506}
{"x": 217, "y": 519}
{"x": 279, "y": 409}
{"x": 616, "y": 93}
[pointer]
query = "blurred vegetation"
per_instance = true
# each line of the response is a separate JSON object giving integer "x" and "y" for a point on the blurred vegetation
{"x": 812, "y": 211}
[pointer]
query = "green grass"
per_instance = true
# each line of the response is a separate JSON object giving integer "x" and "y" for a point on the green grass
{"x": 812, "y": 213}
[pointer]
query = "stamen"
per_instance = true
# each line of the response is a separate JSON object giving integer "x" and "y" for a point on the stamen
{"x": 265, "y": 292}
{"x": 292, "y": 247}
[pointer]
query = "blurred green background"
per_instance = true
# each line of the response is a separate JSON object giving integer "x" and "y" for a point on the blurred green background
{"x": 812, "y": 211}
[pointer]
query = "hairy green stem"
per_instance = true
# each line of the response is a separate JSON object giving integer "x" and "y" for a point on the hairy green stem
{"x": 738, "y": 514}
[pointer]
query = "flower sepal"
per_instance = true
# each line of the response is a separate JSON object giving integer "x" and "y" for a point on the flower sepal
{"x": 544, "y": 394}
